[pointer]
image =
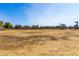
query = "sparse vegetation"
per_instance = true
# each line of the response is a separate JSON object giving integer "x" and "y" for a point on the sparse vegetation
{"x": 1, "y": 23}
{"x": 8, "y": 25}
{"x": 39, "y": 42}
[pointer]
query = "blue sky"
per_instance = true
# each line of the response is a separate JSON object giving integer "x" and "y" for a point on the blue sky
{"x": 39, "y": 14}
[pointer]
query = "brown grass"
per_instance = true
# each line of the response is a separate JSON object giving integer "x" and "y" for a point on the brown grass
{"x": 39, "y": 42}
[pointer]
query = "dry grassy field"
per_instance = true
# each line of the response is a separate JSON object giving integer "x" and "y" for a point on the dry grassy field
{"x": 44, "y": 42}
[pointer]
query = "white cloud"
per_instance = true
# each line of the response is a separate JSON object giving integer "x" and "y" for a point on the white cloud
{"x": 53, "y": 14}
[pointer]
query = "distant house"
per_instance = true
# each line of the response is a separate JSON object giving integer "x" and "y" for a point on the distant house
{"x": 1, "y": 28}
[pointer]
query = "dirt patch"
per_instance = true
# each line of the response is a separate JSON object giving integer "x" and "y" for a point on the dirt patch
{"x": 32, "y": 32}
{"x": 11, "y": 42}
{"x": 37, "y": 39}
{"x": 64, "y": 37}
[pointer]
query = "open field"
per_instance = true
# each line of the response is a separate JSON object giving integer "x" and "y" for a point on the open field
{"x": 44, "y": 42}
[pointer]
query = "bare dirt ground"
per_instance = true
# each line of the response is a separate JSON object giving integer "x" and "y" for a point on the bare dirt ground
{"x": 44, "y": 42}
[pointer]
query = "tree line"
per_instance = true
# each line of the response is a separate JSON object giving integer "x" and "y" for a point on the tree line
{"x": 8, "y": 25}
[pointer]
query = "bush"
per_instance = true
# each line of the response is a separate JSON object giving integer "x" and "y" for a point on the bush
{"x": 8, "y": 25}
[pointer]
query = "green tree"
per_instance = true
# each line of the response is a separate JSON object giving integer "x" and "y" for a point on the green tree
{"x": 8, "y": 25}
{"x": 18, "y": 27}
{"x": 62, "y": 26}
{"x": 1, "y": 23}
{"x": 35, "y": 26}
{"x": 76, "y": 25}
{"x": 26, "y": 27}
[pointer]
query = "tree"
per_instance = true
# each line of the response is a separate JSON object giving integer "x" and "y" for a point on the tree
{"x": 70, "y": 27}
{"x": 8, "y": 25}
{"x": 35, "y": 26}
{"x": 76, "y": 25}
{"x": 1, "y": 23}
{"x": 58, "y": 27}
{"x": 26, "y": 27}
{"x": 18, "y": 27}
{"x": 61, "y": 26}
